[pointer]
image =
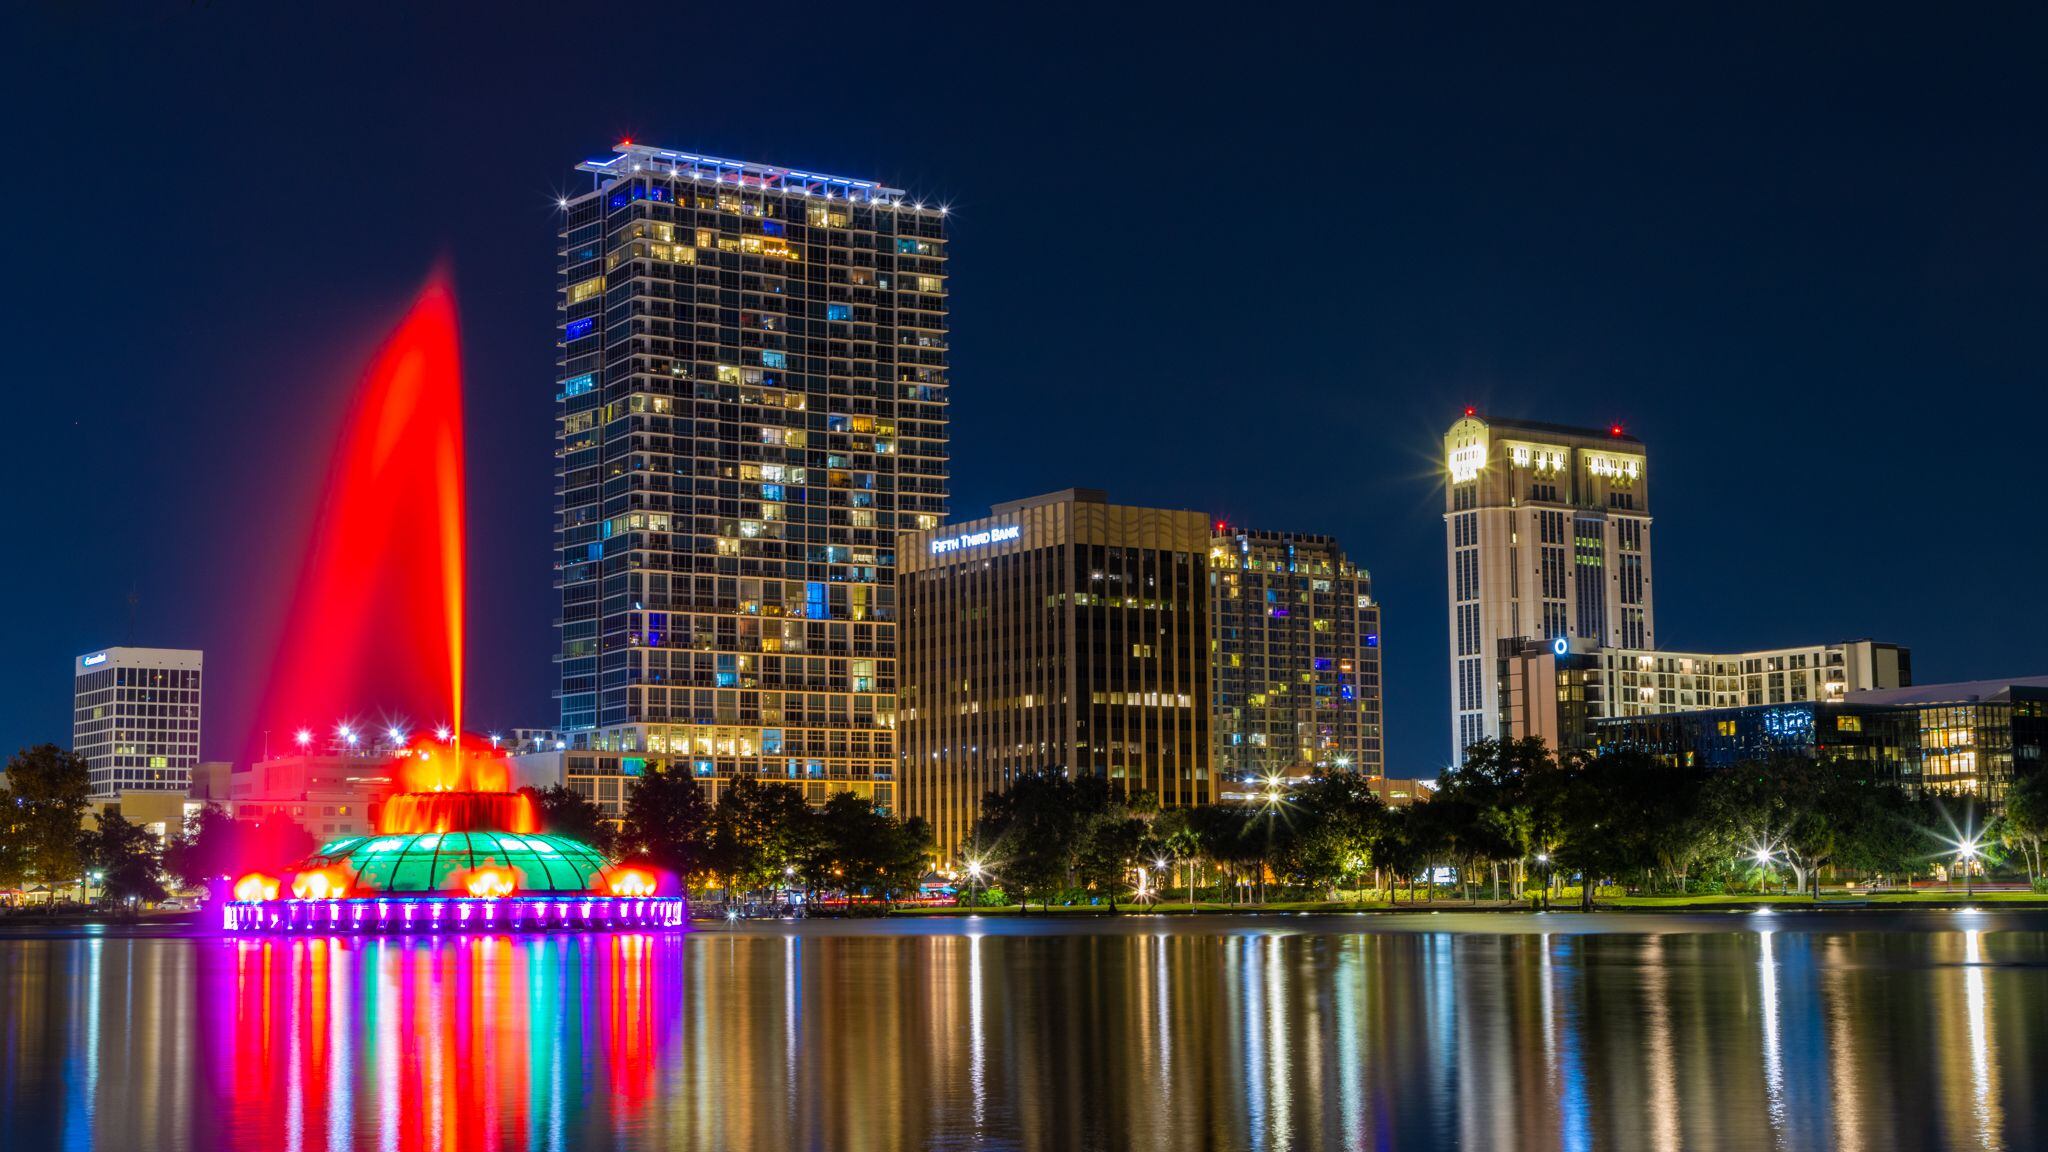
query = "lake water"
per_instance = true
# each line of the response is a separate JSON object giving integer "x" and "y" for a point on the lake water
{"x": 1479, "y": 1031}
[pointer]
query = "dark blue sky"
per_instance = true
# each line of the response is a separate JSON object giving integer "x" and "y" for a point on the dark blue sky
{"x": 1251, "y": 261}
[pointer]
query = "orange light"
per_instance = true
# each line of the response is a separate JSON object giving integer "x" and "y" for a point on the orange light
{"x": 256, "y": 886}
{"x": 490, "y": 882}
{"x": 318, "y": 884}
{"x": 632, "y": 882}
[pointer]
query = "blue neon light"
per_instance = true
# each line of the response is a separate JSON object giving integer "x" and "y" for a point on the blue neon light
{"x": 578, "y": 385}
{"x": 577, "y": 329}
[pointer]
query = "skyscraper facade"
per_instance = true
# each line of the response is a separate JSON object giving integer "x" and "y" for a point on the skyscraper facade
{"x": 135, "y": 719}
{"x": 1058, "y": 633}
{"x": 1295, "y": 668}
{"x": 1547, "y": 537}
{"x": 751, "y": 404}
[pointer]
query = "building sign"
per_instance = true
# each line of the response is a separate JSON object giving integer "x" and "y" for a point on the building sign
{"x": 975, "y": 539}
{"x": 95, "y": 658}
{"x": 1561, "y": 646}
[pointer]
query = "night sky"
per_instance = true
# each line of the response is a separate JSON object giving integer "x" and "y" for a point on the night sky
{"x": 1251, "y": 262}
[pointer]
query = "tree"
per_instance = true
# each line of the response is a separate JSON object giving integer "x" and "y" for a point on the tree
{"x": 565, "y": 812}
{"x": 125, "y": 855}
{"x": 1050, "y": 832}
{"x": 2025, "y": 824}
{"x": 215, "y": 846}
{"x": 1810, "y": 810}
{"x": 668, "y": 822}
{"x": 208, "y": 849}
{"x": 856, "y": 847}
{"x": 1336, "y": 820}
{"x": 1109, "y": 851}
{"x": 1031, "y": 830}
{"x": 46, "y": 797}
{"x": 759, "y": 833}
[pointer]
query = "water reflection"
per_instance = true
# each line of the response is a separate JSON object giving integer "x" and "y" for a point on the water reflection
{"x": 1783, "y": 1033}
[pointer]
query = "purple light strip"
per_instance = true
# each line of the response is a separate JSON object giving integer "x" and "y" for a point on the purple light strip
{"x": 471, "y": 914}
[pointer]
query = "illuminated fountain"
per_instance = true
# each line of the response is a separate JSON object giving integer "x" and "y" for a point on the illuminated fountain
{"x": 455, "y": 850}
{"x": 381, "y": 598}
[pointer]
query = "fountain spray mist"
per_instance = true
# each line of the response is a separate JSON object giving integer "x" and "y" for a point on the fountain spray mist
{"x": 376, "y": 617}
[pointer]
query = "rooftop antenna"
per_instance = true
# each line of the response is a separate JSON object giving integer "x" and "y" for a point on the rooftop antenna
{"x": 134, "y": 598}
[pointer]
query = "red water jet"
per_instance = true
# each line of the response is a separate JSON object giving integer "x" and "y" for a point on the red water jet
{"x": 376, "y": 618}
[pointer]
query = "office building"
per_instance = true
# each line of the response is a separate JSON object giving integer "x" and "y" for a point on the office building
{"x": 751, "y": 406}
{"x": 1964, "y": 739}
{"x": 1061, "y": 632}
{"x": 135, "y": 719}
{"x": 1547, "y": 537}
{"x": 1557, "y": 690}
{"x": 1295, "y": 659}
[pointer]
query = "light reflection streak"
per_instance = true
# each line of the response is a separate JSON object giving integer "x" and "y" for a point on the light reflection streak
{"x": 977, "y": 1037}
{"x": 1280, "y": 1055}
{"x": 1774, "y": 1055}
{"x": 1662, "y": 1070}
{"x": 1990, "y": 1118}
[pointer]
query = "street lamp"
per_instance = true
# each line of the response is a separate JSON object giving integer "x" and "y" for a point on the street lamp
{"x": 304, "y": 738}
{"x": 1967, "y": 852}
{"x": 973, "y": 880}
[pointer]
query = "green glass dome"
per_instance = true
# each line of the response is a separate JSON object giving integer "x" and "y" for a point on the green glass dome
{"x": 437, "y": 861}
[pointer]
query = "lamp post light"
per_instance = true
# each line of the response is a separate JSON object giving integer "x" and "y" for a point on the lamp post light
{"x": 973, "y": 882}
{"x": 1543, "y": 865}
{"x": 1967, "y": 854}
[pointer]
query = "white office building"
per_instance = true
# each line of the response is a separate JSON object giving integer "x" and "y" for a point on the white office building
{"x": 135, "y": 718}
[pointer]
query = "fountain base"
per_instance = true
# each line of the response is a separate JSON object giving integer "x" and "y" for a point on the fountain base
{"x": 431, "y": 914}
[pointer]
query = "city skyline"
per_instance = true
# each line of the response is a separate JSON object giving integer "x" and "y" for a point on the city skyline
{"x": 1707, "y": 350}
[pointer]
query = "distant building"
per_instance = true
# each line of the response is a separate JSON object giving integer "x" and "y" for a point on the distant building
{"x": 1060, "y": 632}
{"x": 1295, "y": 658}
{"x": 135, "y": 719}
{"x": 1402, "y": 793}
{"x": 601, "y": 777}
{"x": 1547, "y": 537}
{"x": 1963, "y": 739}
{"x": 1558, "y": 689}
{"x": 330, "y": 793}
{"x": 535, "y": 740}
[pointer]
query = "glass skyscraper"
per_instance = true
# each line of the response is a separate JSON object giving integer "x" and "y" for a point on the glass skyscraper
{"x": 751, "y": 404}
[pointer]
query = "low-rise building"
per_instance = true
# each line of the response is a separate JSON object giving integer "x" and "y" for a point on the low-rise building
{"x": 1959, "y": 739}
{"x": 1558, "y": 689}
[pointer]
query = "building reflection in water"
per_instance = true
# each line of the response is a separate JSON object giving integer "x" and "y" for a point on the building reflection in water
{"x": 1127, "y": 1035}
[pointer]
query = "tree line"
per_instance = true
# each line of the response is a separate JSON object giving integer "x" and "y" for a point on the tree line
{"x": 1515, "y": 814}
{"x": 761, "y": 837}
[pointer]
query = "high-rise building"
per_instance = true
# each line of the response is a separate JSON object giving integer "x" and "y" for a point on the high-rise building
{"x": 135, "y": 719}
{"x": 1295, "y": 668}
{"x": 752, "y": 403}
{"x": 1061, "y": 632}
{"x": 1547, "y": 537}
